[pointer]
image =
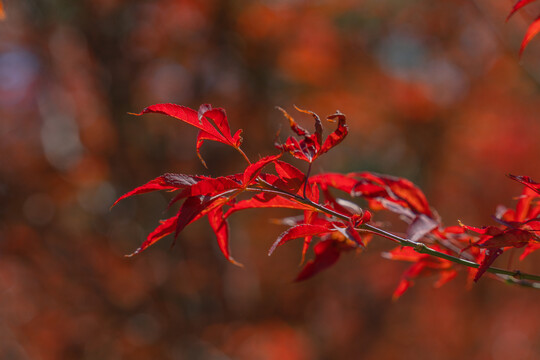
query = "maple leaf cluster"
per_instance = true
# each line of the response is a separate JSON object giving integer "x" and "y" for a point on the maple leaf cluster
{"x": 338, "y": 224}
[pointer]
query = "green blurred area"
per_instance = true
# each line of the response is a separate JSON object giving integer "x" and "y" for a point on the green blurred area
{"x": 433, "y": 91}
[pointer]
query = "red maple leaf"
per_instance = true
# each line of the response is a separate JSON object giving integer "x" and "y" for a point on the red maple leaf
{"x": 396, "y": 190}
{"x": 164, "y": 182}
{"x": 212, "y": 123}
{"x": 203, "y": 196}
{"x": 424, "y": 265}
{"x": 312, "y": 146}
{"x": 385, "y": 192}
{"x": 337, "y": 236}
{"x": 327, "y": 253}
{"x": 302, "y": 230}
{"x": 494, "y": 240}
{"x": 527, "y": 181}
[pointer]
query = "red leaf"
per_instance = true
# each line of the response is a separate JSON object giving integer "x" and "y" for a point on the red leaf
{"x": 201, "y": 137}
{"x": 397, "y": 190}
{"x": 267, "y": 201}
{"x": 291, "y": 179}
{"x": 327, "y": 253}
{"x": 525, "y": 209}
{"x": 164, "y": 182}
{"x": 494, "y": 240}
{"x": 424, "y": 265}
{"x": 217, "y": 129}
{"x": 517, "y": 6}
{"x": 337, "y": 136}
{"x": 288, "y": 172}
{"x": 309, "y": 218}
{"x": 191, "y": 210}
{"x": 518, "y": 233}
{"x": 310, "y": 147}
{"x": 351, "y": 234}
{"x": 529, "y": 249}
{"x": 341, "y": 182}
{"x": 419, "y": 224}
{"x": 219, "y": 117}
{"x": 298, "y": 231}
{"x": 318, "y": 124}
{"x": 444, "y": 277}
{"x": 404, "y": 254}
{"x": 297, "y": 149}
{"x": 415, "y": 271}
{"x": 165, "y": 228}
{"x": 532, "y": 30}
{"x": 527, "y": 181}
{"x": 253, "y": 170}
{"x": 489, "y": 257}
{"x": 219, "y": 224}
{"x": 486, "y": 230}
{"x": 509, "y": 238}
{"x": 305, "y": 149}
{"x": 300, "y": 131}
{"x": 497, "y": 238}
{"x": 403, "y": 285}
{"x": 209, "y": 186}
{"x": 185, "y": 114}
{"x": 341, "y": 206}
{"x": 213, "y": 187}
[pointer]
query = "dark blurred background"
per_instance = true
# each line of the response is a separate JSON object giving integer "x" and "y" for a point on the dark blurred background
{"x": 433, "y": 90}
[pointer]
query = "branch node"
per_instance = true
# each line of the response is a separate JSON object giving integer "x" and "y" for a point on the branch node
{"x": 420, "y": 248}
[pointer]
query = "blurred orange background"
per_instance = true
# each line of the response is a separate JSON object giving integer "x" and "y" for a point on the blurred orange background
{"x": 433, "y": 91}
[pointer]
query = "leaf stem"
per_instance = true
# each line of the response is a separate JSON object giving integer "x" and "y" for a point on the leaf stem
{"x": 243, "y": 154}
{"x": 307, "y": 178}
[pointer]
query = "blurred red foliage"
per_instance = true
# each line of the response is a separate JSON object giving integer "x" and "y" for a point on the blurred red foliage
{"x": 432, "y": 92}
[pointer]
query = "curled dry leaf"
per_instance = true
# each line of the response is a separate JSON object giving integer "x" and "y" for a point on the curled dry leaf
{"x": 311, "y": 146}
{"x": 327, "y": 253}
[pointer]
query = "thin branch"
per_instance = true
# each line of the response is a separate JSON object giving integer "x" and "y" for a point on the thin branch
{"x": 515, "y": 277}
{"x": 307, "y": 179}
{"x": 243, "y": 154}
{"x": 423, "y": 249}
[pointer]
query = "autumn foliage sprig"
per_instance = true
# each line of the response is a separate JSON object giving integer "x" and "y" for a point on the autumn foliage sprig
{"x": 338, "y": 224}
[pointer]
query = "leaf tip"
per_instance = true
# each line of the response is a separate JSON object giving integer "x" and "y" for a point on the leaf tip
{"x": 285, "y": 113}
{"x": 234, "y": 262}
{"x": 202, "y": 160}
{"x": 273, "y": 247}
{"x": 116, "y": 202}
{"x": 133, "y": 253}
